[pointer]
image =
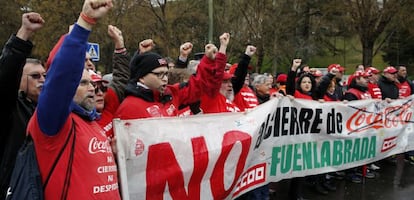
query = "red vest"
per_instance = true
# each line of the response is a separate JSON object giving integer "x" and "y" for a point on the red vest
{"x": 300, "y": 95}
{"x": 404, "y": 89}
{"x": 359, "y": 94}
{"x": 111, "y": 105}
{"x": 246, "y": 99}
{"x": 94, "y": 170}
{"x": 217, "y": 104}
{"x": 374, "y": 90}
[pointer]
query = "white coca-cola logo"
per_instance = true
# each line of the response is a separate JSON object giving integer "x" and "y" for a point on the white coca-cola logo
{"x": 391, "y": 117}
{"x": 98, "y": 146}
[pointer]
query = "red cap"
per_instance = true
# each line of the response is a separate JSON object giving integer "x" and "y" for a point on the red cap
{"x": 361, "y": 74}
{"x": 96, "y": 77}
{"x": 227, "y": 76}
{"x": 390, "y": 69}
{"x": 282, "y": 78}
{"x": 372, "y": 70}
{"x": 233, "y": 68}
{"x": 317, "y": 73}
{"x": 338, "y": 66}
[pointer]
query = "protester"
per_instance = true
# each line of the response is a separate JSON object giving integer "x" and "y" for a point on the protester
{"x": 323, "y": 183}
{"x": 222, "y": 100}
{"x": 358, "y": 67}
{"x": 358, "y": 90}
{"x": 89, "y": 65}
{"x": 149, "y": 95}
{"x": 180, "y": 76}
{"x": 66, "y": 112}
{"x": 109, "y": 95}
{"x": 261, "y": 87}
{"x": 339, "y": 88}
{"x": 388, "y": 84}
{"x": 317, "y": 74}
{"x": 303, "y": 88}
{"x": 21, "y": 82}
{"x": 246, "y": 98}
{"x": 406, "y": 87}
{"x": 281, "y": 84}
{"x": 373, "y": 88}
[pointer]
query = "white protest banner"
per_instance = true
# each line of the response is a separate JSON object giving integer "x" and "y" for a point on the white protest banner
{"x": 221, "y": 156}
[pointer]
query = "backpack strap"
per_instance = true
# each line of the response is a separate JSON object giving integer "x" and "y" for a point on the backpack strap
{"x": 69, "y": 169}
{"x": 60, "y": 155}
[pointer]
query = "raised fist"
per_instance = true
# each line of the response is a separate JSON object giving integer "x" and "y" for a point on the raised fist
{"x": 96, "y": 9}
{"x": 116, "y": 36}
{"x": 224, "y": 39}
{"x": 146, "y": 45}
{"x": 185, "y": 49}
{"x": 210, "y": 51}
{"x": 250, "y": 50}
{"x": 31, "y": 22}
{"x": 296, "y": 63}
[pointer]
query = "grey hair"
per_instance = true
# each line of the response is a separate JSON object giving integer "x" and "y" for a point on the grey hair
{"x": 259, "y": 79}
{"x": 34, "y": 61}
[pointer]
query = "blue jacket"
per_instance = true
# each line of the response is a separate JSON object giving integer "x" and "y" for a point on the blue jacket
{"x": 63, "y": 77}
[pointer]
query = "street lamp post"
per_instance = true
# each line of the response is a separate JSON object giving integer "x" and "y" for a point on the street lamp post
{"x": 210, "y": 20}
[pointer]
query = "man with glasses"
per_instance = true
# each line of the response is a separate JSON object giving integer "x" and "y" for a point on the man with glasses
{"x": 18, "y": 102}
{"x": 147, "y": 92}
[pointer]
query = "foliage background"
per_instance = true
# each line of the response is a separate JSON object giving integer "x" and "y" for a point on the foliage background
{"x": 321, "y": 32}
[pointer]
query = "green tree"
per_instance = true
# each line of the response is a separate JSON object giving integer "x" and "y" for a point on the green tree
{"x": 399, "y": 48}
{"x": 370, "y": 18}
{"x": 10, "y": 19}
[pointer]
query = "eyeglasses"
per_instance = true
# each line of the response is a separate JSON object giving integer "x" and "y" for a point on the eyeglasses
{"x": 101, "y": 88}
{"x": 37, "y": 75}
{"x": 97, "y": 86}
{"x": 160, "y": 74}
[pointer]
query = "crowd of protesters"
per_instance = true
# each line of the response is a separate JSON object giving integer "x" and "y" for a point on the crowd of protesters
{"x": 75, "y": 104}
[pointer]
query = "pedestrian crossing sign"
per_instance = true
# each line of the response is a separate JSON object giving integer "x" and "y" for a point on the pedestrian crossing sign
{"x": 93, "y": 50}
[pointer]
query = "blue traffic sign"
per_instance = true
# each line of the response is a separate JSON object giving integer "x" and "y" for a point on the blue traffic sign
{"x": 93, "y": 50}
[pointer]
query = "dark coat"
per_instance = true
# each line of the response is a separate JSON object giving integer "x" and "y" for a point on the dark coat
{"x": 16, "y": 109}
{"x": 388, "y": 88}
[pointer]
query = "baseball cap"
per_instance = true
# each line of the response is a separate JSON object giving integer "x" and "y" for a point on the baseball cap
{"x": 96, "y": 77}
{"x": 372, "y": 70}
{"x": 338, "y": 66}
{"x": 282, "y": 78}
{"x": 390, "y": 69}
{"x": 361, "y": 74}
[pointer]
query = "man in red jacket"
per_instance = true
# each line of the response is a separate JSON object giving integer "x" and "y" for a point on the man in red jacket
{"x": 147, "y": 92}
{"x": 230, "y": 86}
{"x": 373, "y": 88}
{"x": 244, "y": 96}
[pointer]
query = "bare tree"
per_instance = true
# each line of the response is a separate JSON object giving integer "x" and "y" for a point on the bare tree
{"x": 370, "y": 18}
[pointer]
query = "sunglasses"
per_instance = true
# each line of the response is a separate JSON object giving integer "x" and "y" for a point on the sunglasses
{"x": 99, "y": 86}
{"x": 37, "y": 75}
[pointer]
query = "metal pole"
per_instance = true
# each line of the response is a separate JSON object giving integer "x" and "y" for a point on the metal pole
{"x": 210, "y": 19}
